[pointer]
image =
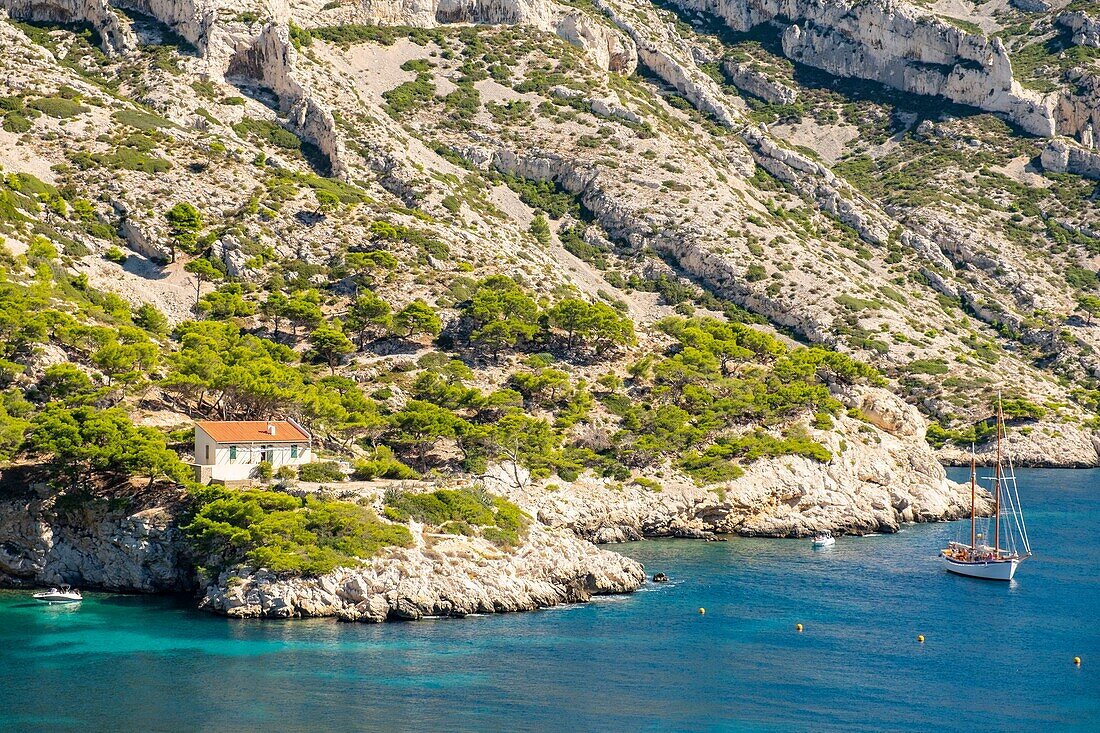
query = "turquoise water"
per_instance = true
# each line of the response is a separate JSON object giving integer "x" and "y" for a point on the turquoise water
{"x": 996, "y": 657}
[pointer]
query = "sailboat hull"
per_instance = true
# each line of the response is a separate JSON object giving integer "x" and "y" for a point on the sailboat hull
{"x": 988, "y": 569}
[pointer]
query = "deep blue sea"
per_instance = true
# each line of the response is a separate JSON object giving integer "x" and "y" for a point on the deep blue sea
{"x": 997, "y": 657}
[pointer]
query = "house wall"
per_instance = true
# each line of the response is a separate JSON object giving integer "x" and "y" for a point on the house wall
{"x": 225, "y": 468}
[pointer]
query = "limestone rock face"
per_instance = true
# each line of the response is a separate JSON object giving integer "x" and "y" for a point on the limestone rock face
{"x": 1064, "y": 156}
{"x": 270, "y": 58}
{"x": 1032, "y": 6}
{"x": 1042, "y": 444}
{"x": 1085, "y": 28}
{"x": 116, "y": 34}
{"x": 92, "y": 548}
{"x": 747, "y": 79}
{"x": 192, "y": 20}
{"x": 894, "y": 43}
{"x": 667, "y": 56}
{"x": 442, "y": 575}
{"x": 881, "y": 475}
{"x": 611, "y": 49}
{"x": 885, "y": 410}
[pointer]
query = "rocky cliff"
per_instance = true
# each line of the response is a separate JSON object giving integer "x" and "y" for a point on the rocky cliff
{"x": 93, "y": 545}
{"x": 1084, "y": 27}
{"x": 99, "y": 544}
{"x": 443, "y": 575}
{"x": 896, "y": 44}
{"x": 1066, "y": 156}
{"x": 881, "y": 476}
{"x": 117, "y": 38}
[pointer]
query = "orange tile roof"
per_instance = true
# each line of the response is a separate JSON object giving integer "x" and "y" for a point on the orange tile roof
{"x": 252, "y": 431}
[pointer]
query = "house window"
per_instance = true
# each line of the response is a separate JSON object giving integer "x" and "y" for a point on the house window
{"x": 232, "y": 452}
{"x": 293, "y": 451}
{"x": 207, "y": 451}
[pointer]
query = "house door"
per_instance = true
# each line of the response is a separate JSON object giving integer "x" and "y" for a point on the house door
{"x": 267, "y": 453}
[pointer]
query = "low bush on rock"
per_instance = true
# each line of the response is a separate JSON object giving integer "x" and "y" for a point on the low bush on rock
{"x": 321, "y": 471}
{"x": 463, "y": 511}
{"x": 58, "y": 107}
{"x": 284, "y": 533}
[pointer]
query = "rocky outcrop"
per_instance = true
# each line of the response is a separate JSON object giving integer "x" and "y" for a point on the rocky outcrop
{"x": 1085, "y": 28}
{"x": 1040, "y": 444}
{"x": 192, "y": 20}
{"x": 816, "y": 181}
{"x": 117, "y": 38}
{"x": 228, "y": 46}
{"x": 1065, "y": 156}
{"x": 882, "y": 475}
{"x": 896, "y": 44}
{"x": 603, "y": 107}
{"x": 609, "y": 48}
{"x": 1032, "y": 6}
{"x": 271, "y": 60}
{"x": 749, "y": 79}
{"x": 443, "y": 575}
{"x": 666, "y": 55}
{"x": 49, "y": 539}
{"x": 92, "y": 546}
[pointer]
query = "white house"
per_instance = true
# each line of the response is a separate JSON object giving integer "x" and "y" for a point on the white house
{"x": 231, "y": 450}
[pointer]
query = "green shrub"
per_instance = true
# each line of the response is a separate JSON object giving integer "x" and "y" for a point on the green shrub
{"x": 264, "y": 471}
{"x": 147, "y": 316}
{"x": 123, "y": 158}
{"x": 269, "y": 132}
{"x": 410, "y": 95}
{"x": 346, "y": 35}
{"x": 16, "y": 123}
{"x": 927, "y": 366}
{"x": 459, "y": 512}
{"x": 114, "y": 254}
{"x": 141, "y": 120}
{"x": 321, "y": 471}
{"x": 58, "y": 107}
{"x": 284, "y": 533}
{"x": 382, "y": 465}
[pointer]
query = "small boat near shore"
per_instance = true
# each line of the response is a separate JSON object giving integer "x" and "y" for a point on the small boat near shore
{"x": 64, "y": 594}
{"x": 1010, "y": 547}
{"x": 824, "y": 539}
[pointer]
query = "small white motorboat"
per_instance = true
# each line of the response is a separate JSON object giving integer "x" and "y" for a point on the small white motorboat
{"x": 64, "y": 594}
{"x": 824, "y": 539}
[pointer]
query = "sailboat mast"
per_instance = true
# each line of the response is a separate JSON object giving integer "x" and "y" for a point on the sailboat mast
{"x": 997, "y": 491}
{"x": 973, "y": 497}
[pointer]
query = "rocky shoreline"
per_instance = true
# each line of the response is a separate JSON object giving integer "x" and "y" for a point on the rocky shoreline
{"x": 882, "y": 474}
{"x": 442, "y": 575}
{"x": 1036, "y": 445}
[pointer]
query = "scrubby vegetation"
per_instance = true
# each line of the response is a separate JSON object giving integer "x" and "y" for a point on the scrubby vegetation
{"x": 405, "y": 316}
{"x": 286, "y": 534}
{"x": 465, "y": 512}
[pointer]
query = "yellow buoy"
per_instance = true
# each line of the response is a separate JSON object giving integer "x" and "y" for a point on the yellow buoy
{"x": 702, "y": 611}
{"x": 1077, "y": 661}
{"x": 798, "y": 628}
{"x": 920, "y": 638}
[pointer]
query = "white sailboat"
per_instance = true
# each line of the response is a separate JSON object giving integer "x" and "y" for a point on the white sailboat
{"x": 1010, "y": 545}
